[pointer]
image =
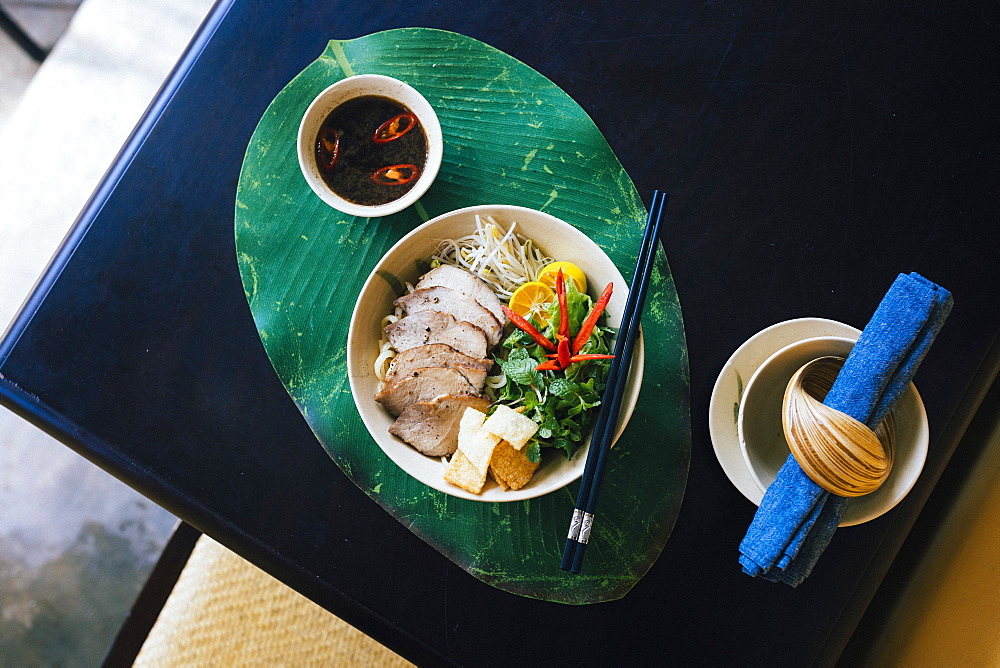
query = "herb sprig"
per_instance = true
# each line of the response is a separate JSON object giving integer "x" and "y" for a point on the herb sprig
{"x": 559, "y": 401}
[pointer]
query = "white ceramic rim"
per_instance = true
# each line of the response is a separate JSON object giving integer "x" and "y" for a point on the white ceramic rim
{"x": 740, "y": 366}
{"x": 427, "y": 469}
{"x": 912, "y": 423}
{"x": 350, "y": 88}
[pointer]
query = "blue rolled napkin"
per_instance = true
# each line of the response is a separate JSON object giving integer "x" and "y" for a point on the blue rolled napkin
{"x": 797, "y": 518}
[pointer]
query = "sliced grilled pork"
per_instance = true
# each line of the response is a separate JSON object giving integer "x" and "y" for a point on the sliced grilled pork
{"x": 428, "y": 327}
{"x": 465, "y": 283}
{"x": 435, "y": 354}
{"x": 459, "y": 306}
{"x": 475, "y": 375}
{"x": 424, "y": 385}
{"x": 432, "y": 426}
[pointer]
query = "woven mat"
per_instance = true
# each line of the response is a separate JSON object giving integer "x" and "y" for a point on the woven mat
{"x": 225, "y": 611}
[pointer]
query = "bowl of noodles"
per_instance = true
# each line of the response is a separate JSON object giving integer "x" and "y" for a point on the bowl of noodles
{"x": 506, "y": 246}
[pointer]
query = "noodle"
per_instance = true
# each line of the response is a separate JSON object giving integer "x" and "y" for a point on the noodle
{"x": 385, "y": 349}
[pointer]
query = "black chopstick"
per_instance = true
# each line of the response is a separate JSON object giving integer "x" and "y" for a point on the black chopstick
{"x": 607, "y": 417}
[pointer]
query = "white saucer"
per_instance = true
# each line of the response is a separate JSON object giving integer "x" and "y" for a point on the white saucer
{"x": 724, "y": 406}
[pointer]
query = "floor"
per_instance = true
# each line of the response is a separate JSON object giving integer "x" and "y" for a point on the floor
{"x": 44, "y": 21}
{"x": 76, "y": 545}
{"x": 948, "y": 613}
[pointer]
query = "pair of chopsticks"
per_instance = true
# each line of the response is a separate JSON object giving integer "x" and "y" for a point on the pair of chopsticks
{"x": 607, "y": 416}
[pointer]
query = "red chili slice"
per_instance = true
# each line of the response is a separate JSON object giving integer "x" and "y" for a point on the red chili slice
{"x": 562, "y": 350}
{"x": 394, "y": 128}
{"x": 395, "y": 175}
{"x": 591, "y": 321}
{"x": 327, "y": 148}
{"x": 528, "y": 328}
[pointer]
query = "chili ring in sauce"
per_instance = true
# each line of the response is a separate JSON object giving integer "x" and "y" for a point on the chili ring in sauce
{"x": 327, "y": 148}
{"x": 394, "y": 128}
{"x": 395, "y": 175}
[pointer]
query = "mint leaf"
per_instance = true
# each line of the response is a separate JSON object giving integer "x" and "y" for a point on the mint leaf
{"x": 550, "y": 424}
{"x": 517, "y": 338}
{"x": 561, "y": 387}
{"x": 565, "y": 445}
{"x": 533, "y": 451}
{"x": 520, "y": 367}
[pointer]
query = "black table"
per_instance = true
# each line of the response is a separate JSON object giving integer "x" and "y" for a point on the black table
{"x": 811, "y": 154}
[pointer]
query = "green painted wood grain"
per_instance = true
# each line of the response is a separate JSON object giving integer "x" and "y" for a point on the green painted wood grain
{"x": 511, "y": 137}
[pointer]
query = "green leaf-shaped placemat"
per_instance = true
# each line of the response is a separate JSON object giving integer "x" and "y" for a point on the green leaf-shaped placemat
{"x": 511, "y": 137}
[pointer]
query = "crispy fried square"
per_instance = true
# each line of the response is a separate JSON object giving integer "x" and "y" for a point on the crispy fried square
{"x": 463, "y": 473}
{"x": 499, "y": 482}
{"x": 511, "y": 426}
{"x": 478, "y": 448}
{"x": 475, "y": 443}
{"x": 471, "y": 420}
{"x": 511, "y": 466}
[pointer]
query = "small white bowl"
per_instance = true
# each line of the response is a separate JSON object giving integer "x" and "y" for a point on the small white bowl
{"x": 402, "y": 263}
{"x": 762, "y": 440}
{"x": 348, "y": 89}
{"x": 727, "y": 394}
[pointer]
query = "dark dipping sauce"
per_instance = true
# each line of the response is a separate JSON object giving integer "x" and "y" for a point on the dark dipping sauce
{"x": 359, "y": 156}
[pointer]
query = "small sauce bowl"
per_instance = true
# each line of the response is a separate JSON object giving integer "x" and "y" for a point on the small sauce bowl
{"x": 354, "y": 87}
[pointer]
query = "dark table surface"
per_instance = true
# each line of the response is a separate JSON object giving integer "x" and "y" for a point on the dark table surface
{"x": 812, "y": 153}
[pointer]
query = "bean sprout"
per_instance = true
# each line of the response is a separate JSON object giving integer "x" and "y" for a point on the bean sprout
{"x": 504, "y": 259}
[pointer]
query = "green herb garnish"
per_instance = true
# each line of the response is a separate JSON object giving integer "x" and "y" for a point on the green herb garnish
{"x": 559, "y": 401}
